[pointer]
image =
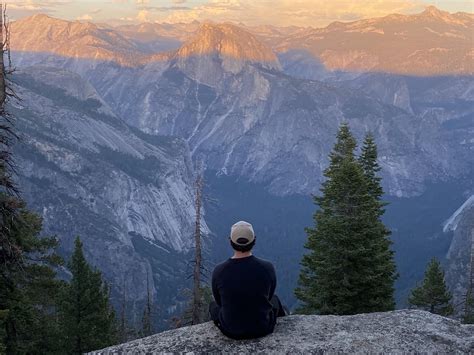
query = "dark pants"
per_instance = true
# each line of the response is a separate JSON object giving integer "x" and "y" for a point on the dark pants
{"x": 278, "y": 309}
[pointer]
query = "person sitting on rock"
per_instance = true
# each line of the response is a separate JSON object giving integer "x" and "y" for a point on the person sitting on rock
{"x": 243, "y": 286}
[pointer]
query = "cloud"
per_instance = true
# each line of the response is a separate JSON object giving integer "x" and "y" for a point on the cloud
{"x": 21, "y": 8}
{"x": 290, "y": 12}
{"x": 90, "y": 15}
{"x": 85, "y": 17}
{"x": 166, "y": 8}
{"x": 143, "y": 15}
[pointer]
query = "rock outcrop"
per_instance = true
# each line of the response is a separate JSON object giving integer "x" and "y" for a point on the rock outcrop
{"x": 404, "y": 331}
{"x": 458, "y": 267}
{"x": 127, "y": 195}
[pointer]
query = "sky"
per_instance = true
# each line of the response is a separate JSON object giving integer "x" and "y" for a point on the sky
{"x": 314, "y": 13}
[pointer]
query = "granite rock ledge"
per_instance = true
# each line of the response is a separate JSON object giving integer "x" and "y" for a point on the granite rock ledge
{"x": 402, "y": 331}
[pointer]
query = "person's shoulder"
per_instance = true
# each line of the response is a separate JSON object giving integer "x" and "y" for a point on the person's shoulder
{"x": 219, "y": 267}
{"x": 266, "y": 263}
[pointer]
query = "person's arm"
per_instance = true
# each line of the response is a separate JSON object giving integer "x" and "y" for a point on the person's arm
{"x": 215, "y": 290}
{"x": 273, "y": 280}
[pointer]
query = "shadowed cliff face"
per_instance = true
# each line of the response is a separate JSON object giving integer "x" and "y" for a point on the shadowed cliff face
{"x": 88, "y": 174}
{"x": 402, "y": 331}
{"x": 458, "y": 259}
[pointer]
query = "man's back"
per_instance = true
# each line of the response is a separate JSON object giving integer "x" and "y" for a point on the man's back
{"x": 243, "y": 287}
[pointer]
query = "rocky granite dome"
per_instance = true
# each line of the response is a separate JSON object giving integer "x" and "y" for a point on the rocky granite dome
{"x": 230, "y": 45}
{"x": 405, "y": 331}
{"x": 460, "y": 257}
{"x": 88, "y": 174}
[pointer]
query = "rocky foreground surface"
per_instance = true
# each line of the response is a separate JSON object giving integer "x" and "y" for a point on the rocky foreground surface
{"x": 390, "y": 332}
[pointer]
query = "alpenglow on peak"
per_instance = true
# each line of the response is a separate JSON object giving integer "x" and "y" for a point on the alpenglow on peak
{"x": 228, "y": 41}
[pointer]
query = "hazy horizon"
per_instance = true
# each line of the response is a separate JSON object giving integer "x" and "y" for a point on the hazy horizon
{"x": 281, "y": 13}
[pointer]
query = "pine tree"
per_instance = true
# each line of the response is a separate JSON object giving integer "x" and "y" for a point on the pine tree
{"x": 432, "y": 295}
{"x": 86, "y": 315}
{"x": 468, "y": 316}
{"x": 368, "y": 160}
{"x": 337, "y": 275}
{"x": 28, "y": 290}
{"x": 383, "y": 273}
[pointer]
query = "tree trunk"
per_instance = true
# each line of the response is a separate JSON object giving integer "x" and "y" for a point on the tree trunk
{"x": 197, "y": 306}
{"x": 3, "y": 94}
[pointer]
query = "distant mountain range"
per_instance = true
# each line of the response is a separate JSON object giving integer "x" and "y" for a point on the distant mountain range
{"x": 259, "y": 106}
{"x": 225, "y": 92}
{"x": 434, "y": 42}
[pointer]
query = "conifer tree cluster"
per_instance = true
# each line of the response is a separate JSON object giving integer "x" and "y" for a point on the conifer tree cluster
{"x": 86, "y": 315}
{"x": 349, "y": 268}
{"x": 28, "y": 289}
{"x": 433, "y": 295}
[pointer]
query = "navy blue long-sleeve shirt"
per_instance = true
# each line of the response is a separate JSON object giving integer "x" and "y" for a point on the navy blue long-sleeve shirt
{"x": 243, "y": 288}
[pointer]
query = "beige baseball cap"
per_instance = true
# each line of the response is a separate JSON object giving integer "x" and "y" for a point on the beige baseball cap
{"x": 242, "y": 233}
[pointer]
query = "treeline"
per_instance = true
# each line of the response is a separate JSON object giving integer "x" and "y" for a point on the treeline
{"x": 42, "y": 314}
{"x": 349, "y": 267}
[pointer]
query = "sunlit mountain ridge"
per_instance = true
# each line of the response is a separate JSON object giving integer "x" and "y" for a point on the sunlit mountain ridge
{"x": 433, "y": 42}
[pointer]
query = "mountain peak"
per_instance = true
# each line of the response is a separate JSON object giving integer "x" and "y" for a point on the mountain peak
{"x": 41, "y": 22}
{"x": 39, "y": 17}
{"x": 228, "y": 41}
{"x": 434, "y": 11}
{"x": 72, "y": 39}
{"x": 42, "y": 19}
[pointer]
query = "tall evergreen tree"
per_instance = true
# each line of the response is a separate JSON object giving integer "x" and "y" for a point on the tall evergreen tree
{"x": 432, "y": 295}
{"x": 345, "y": 261}
{"x": 368, "y": 160}
{"x": 28, "y": 290}
{"x": 86, "y": 314}
{"x": 383, "y": 272}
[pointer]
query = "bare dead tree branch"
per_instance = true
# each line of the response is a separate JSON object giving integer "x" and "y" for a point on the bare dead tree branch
{"x": 197, "y": 302}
